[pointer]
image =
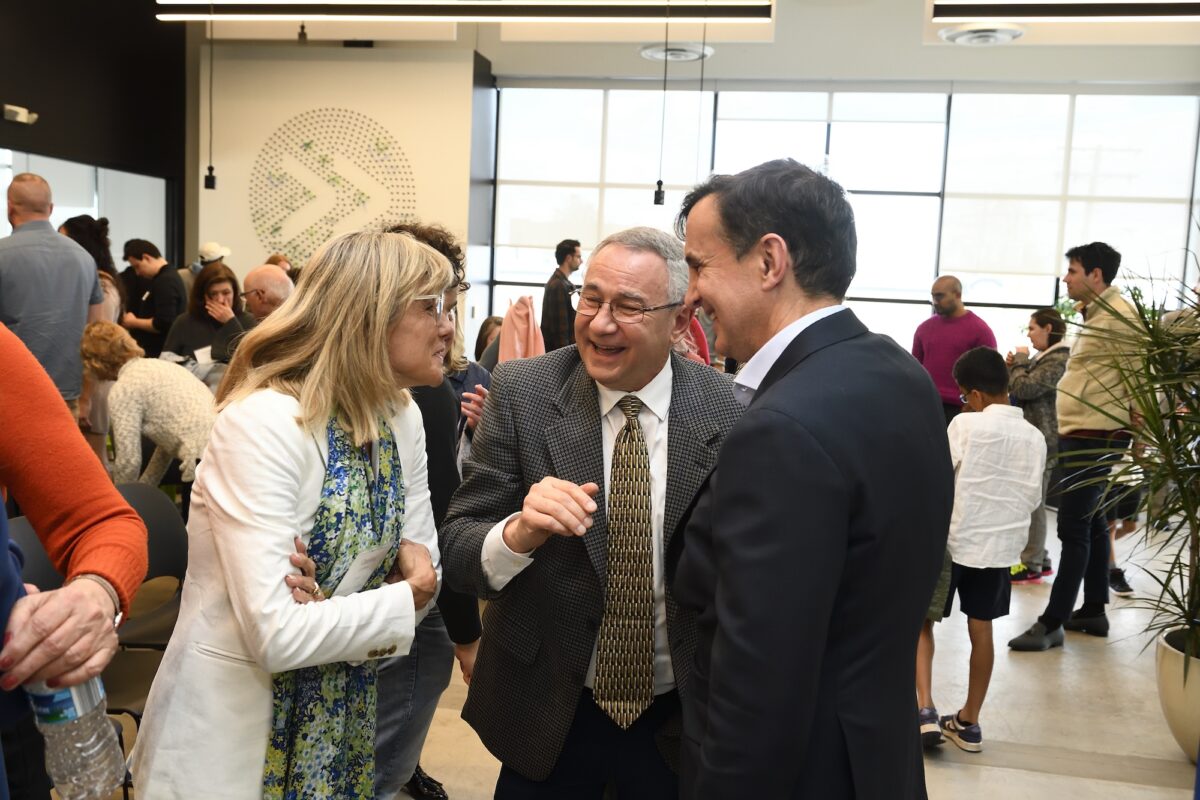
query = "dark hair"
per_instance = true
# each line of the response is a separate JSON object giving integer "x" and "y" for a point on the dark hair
{"x": 439, "y": 239}
{"x": 294, "y": 274}
{"x": 485, "y": 330}
{"x": 563, "y": 249}
{"x": 806, "y": 209}
{"x": 1050, "y": 316}
{"x": 982, "y": 368}
{"x": 92, "y": 235}
{"x": 213, "y": 272}
{"x": 140, "y": 248}
{"x": 1097, "y": 255}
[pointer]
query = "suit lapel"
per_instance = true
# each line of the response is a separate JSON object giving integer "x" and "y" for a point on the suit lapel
{"x": 692, "y": 446}
{"x": 576, "y": 450}
{"x": 821, "y": 334}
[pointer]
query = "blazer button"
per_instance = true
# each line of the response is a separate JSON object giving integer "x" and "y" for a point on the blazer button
{"x": 391, "y": 650}
{"x": 373, "y": 653}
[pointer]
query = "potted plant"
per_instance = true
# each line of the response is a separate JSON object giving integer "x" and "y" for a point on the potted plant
{"x": 1157, "y": 356}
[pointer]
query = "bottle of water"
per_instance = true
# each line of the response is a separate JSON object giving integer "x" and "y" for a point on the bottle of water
{"x": 83, "y": 758}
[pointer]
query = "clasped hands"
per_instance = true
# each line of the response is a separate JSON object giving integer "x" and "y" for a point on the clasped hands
{"x": 413, "y": 564}
{"x": 553, "y": 507}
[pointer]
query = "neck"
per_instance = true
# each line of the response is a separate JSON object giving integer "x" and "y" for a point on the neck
{"x": 994, "y": 400}
{"x": 17, "y": 220}
{"x": 961, "y": 311}
{"x": 566, "y": 273}
{"x": 785, "y": 313}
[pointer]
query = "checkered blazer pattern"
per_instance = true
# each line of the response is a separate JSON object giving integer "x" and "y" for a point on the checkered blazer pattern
{"x": 543, "y": 418}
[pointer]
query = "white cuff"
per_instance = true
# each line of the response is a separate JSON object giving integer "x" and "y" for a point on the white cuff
{"x": 500, "y": 563}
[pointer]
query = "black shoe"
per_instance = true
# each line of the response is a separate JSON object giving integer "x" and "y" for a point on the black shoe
{"x": 420, "y": 785}
{"x": 1037, "y": 639}
{"x": 1117, "y": 583}
{"x": 1093, "y": 626}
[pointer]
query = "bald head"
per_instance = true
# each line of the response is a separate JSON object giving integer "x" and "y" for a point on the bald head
{"x": 266, "y": 288}
{"x": 946, "y": 296}
{"x": 28, "y": 199}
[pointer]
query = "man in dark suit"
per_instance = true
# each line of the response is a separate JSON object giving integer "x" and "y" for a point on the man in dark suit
{"x": 581, "y": 468}
{"x": 812, "y": 551}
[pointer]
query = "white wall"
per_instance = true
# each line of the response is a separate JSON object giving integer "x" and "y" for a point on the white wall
{"x": 387, "y": 132}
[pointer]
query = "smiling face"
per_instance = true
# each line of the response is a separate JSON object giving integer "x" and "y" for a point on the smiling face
{"x": 417, "y": 344}
{"x": 721, "y": 283}
{"x": 627, "y": 356}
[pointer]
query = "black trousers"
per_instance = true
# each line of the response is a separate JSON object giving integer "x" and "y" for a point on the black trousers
{"x": 1082, "y": 527}
{"x": 598, "y": 753}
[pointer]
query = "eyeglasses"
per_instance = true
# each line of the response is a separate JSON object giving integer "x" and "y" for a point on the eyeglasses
{"x": 623, "y": 312}
{"x": 440, "y": 306}
{"x": 249, "y": 292}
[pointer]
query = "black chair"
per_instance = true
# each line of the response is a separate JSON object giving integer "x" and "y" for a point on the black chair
{"x": 168, "y": 557}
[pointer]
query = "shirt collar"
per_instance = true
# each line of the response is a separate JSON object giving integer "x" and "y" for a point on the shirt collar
{"x": 1010, "y": 410}
{"x": 34, "y": 225}
{"x": 655, "y": 395}
{"x": 760, "y": 364}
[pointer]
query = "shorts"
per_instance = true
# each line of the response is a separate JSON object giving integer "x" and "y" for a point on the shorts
{"x": 983, "y": 592}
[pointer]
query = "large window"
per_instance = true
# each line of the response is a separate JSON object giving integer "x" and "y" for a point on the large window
{"x": 135, "y": 205}
{"x": 992, "y": 188}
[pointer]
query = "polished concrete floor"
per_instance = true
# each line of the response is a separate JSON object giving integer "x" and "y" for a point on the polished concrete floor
{"x": 1081, "y": 722}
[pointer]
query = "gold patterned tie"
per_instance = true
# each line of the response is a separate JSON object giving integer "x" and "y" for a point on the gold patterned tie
{"x": 624, "y": 685}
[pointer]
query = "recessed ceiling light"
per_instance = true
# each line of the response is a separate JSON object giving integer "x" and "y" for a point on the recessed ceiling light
{"x": 676, "y": 52}
{"x": 982, "y": 34}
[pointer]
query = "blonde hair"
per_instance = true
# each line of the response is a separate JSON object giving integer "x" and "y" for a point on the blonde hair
{"x": 106, "y": 347}
{"x": 327, "y": 345}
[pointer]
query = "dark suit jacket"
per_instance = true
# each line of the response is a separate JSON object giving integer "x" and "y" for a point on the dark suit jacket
{"x": 558, "y": 315}
{"x": 439, "y": 415}
{"x": 543, "y": 418}
{"x": 810, "y": 559}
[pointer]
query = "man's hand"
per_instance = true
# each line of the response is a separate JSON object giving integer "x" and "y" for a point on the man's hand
{"x": 218, "y": 311}
{"x": 414, "y": 565}
{"x": 472, "y": 405}
{"x": 552, "y": 507}
{"x": 304, "y": 586}
{"x": 62, "y": 637}
{"x": 465, "y": 653}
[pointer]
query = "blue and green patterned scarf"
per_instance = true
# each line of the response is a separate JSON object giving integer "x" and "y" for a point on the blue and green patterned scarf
{"x": 322, "y": 741}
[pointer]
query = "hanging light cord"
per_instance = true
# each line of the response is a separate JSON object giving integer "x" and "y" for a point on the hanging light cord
{"x": 700, "y": 99}
{"x": 211, "y": 36}
{"x": 662, "y": 134}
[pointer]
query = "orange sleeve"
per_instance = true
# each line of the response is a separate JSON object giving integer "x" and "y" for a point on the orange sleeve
{"x": 47, "y": 466}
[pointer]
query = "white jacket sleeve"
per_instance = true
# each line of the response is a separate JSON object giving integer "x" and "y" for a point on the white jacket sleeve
{"x": 251, "y": 477}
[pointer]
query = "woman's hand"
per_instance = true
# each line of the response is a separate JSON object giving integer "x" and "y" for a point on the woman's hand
{"x": 304, "y": 586}
{"x": 414, "y": 565}
{"x": 218, "y": 311}
{"x": 465, "y": 653}
{"x": 472, "y": 405}
{"x": 61, "y": 637}
{"x": 1010, "y": 359}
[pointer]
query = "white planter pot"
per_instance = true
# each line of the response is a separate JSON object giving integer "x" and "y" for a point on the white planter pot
{"x": 1180, "y": 701}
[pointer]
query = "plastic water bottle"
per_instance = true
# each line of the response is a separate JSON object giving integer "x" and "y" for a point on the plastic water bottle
{"x": 83, "y": 758}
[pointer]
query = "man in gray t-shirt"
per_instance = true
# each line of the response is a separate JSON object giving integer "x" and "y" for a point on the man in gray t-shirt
{"x": 49, "y": 286}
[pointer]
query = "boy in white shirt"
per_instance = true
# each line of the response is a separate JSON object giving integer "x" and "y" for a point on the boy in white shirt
{"x": 998, "y": 461}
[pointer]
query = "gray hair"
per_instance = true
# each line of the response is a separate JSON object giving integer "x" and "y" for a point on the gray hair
{"x": 662, "y": 244}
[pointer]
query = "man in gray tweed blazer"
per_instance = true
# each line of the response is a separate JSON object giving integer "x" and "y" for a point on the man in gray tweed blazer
{"x": 578, "y": 677}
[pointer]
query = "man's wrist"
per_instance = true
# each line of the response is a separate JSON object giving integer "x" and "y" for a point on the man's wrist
{"x": 513, "y": 538}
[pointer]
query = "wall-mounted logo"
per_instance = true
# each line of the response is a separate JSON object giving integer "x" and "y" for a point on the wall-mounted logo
{"x": 324, "y": 172}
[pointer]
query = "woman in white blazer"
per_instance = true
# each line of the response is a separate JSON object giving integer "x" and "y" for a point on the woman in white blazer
{"x": 259, "y": 695}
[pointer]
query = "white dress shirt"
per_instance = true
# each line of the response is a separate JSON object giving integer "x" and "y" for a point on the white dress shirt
{"x": 501, "y": 564}
{"x": 998, "y": 461}
{"x": 746, "y": 383}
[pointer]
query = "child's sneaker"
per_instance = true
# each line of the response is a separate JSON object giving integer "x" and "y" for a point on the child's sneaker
{"x": 1022, "y": 574}
{"x": 967, "y": 737}
{"x": 1047, "y": 568}
{"x": 931, "y": 731}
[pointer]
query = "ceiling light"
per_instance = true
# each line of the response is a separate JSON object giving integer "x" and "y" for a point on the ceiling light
{"x": 676, "y": 52}
{"x": 1065, "y": 11}
{"x": 981, "y": 34}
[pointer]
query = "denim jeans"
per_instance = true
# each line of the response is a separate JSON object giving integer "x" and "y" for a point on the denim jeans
{"x": 409, "y": 688}
{"x": 1082, "y": 529}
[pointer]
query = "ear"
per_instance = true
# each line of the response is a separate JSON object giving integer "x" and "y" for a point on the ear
{"x": 776, "y": 260}
{"x": 681, "y": 322}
